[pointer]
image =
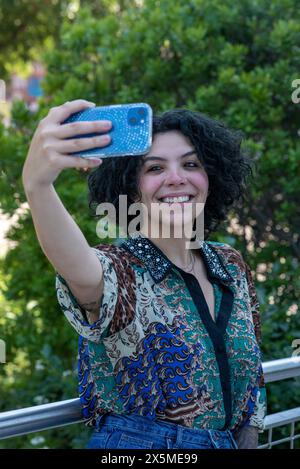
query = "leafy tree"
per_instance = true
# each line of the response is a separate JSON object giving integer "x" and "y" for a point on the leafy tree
{"x": 30, "y": 26}
{"x": 232, "y": 60}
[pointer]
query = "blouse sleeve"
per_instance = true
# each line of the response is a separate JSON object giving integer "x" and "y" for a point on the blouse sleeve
{"x": 258, "y": 399}
{"x": 76, "y": 315}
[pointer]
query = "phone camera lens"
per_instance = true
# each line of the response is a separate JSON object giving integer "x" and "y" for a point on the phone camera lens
{"x": 132, "y": 120}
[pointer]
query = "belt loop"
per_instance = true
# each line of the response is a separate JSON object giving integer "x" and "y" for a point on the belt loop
{"x": 211, "y": 436}
{"x": 179, "y": 435}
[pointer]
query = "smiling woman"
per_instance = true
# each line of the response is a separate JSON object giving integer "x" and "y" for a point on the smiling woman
{"x": 169, "y": 346}
{"x": 188, "y": 316}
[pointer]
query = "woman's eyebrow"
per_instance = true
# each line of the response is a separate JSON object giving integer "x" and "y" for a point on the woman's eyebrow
{"x": 165, "y": 159}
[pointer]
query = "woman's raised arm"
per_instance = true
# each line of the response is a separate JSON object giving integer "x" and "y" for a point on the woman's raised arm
{"x": 59, "y": 236}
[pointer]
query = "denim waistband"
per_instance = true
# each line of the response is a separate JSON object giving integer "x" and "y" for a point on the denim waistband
{"x": 163, "y": 428}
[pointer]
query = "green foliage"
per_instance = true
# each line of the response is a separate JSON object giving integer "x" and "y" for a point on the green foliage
{"x": 29, "y": 27}
{"x": 232, "y": 60}
{"x": 25, "y": 28}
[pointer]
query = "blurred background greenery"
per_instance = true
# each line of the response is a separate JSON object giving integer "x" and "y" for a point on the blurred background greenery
{"x": 234, "y": 60}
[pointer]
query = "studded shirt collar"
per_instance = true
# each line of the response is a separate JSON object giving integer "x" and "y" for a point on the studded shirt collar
{"x": 159, "y": 265}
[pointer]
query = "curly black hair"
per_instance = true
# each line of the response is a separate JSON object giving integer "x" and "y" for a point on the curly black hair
{"x": 218, "y": 148}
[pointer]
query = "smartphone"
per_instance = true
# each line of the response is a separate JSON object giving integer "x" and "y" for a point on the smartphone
{"x": 131, "y": 131}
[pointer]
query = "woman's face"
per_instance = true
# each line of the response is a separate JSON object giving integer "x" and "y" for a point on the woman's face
{"x": 171, "y": 168}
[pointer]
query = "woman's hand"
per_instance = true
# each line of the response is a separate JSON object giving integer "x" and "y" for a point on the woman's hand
{"x": 48, "y": 151}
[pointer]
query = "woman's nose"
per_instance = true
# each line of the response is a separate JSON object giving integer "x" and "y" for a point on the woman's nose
{"x": 175, "y": 177}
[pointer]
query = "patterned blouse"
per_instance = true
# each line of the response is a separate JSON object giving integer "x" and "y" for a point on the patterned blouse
{"x": 156, "y": 351}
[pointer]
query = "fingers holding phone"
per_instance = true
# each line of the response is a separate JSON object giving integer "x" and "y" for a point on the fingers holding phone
{"x": 51, "y": 143}
{"x": 131, "y": 130}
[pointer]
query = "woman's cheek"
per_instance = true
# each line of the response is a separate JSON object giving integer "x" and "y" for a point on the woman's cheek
{"x": 149, "y": 186}
{"x": 200, "y": 180}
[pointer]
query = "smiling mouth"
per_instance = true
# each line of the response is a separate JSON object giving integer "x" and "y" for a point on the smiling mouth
{"x": 191, "y": 197}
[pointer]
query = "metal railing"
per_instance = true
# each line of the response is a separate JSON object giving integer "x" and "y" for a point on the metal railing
{"x": 44, "y": 417}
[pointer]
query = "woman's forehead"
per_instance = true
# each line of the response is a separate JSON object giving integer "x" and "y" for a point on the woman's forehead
{"x": 169, "y": 144}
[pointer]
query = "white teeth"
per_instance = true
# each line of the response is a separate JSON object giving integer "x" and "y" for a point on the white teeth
{"x": 184, "y": 198}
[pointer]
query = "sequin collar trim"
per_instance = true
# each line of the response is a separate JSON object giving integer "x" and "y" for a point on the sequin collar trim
{"x": 159, "y": 265}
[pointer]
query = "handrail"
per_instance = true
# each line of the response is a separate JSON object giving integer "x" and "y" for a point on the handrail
{"x": 38, "y": 418}
{"x": 276, "y": 370}
{"x": 44, "y": 417}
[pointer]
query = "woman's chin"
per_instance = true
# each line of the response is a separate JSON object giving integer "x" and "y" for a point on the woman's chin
{"x": 184, "y": 225}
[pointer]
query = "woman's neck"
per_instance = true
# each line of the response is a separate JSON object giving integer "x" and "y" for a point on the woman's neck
{"x": 176, "y": 249}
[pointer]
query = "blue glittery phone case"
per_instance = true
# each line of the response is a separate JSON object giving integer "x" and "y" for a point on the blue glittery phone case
{"x": 131, "y": 132}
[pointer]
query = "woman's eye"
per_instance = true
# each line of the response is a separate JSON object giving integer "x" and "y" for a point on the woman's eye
{"x": 188, "y": 163}
{"x": 153, "y": 167}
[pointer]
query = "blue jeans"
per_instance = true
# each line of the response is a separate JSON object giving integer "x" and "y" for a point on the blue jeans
{"x": 136, "y": 432}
